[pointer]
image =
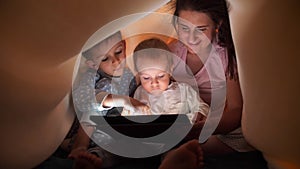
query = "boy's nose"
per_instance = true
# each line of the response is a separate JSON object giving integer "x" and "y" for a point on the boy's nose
{"x": 116, "y": 60}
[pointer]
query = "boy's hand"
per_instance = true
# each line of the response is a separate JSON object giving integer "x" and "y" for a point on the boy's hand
{"x": 133, "y": 106}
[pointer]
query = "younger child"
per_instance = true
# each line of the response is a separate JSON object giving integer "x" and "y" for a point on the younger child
{"x": 153, "y": 62}
{"x": 113, "y": 85}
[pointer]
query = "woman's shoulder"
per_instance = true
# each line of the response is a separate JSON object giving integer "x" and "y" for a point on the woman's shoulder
{"x": 221, "y": 52}
{"x": 220, "y": 49}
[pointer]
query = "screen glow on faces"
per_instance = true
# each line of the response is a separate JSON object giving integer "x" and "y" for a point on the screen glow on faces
{"x": 135, "y": 147}
{"x": 153, "y": 70}
{"x": 154, "y": 80}
{"x": 112, "y": 63}
{"x": 195, "y": 29}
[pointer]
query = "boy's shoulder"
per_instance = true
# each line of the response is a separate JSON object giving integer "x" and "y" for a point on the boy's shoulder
{"x": 87, "y": 75}
{"x": 127, "y": 71}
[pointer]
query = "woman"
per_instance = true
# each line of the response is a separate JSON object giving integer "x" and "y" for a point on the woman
{"x": 205, "y": 45}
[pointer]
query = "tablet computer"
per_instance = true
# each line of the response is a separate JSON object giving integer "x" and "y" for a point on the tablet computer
{"x": 142, "y": 126}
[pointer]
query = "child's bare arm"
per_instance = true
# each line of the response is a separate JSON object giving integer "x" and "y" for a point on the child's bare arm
{"x": 127, "y": 102}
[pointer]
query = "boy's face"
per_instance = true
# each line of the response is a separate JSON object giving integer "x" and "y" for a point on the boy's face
{"x": 113, "y": 62}
{"x": 153, "y": 75}
{"x": 109, "y": 56}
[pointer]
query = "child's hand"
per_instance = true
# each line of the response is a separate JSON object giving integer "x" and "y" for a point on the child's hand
{"x": 142, "y": 111}
{"x": 137, "y": 108}
{"x": 198, "y": 118}
{"x": 133, "y": 106}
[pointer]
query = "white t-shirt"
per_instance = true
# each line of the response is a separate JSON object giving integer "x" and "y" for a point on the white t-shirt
{"x": 178, "y": 98}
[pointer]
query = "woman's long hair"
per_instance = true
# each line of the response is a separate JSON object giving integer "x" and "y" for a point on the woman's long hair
{"x": 217, "y": 10}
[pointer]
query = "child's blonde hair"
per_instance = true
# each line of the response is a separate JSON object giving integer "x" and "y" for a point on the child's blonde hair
{"x": 88, "y": 54}
{"x": 155, "y": 49}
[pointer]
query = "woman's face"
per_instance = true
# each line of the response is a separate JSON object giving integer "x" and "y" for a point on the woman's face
{"x": 195, "y": 29}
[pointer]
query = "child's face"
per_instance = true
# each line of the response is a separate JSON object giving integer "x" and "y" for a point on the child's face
{"x": 153, "y": 73}
{"x": 113, "y": 62}
{"x": 154, "y": 80}
{"x": 109, "y": 56}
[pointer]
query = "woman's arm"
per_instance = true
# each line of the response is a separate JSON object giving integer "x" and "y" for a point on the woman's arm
{"x": 231, "y": 118}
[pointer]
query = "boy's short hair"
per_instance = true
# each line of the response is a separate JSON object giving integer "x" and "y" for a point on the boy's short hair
{"x": 153, "y": 48}
{"x": 88, "y": 54}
